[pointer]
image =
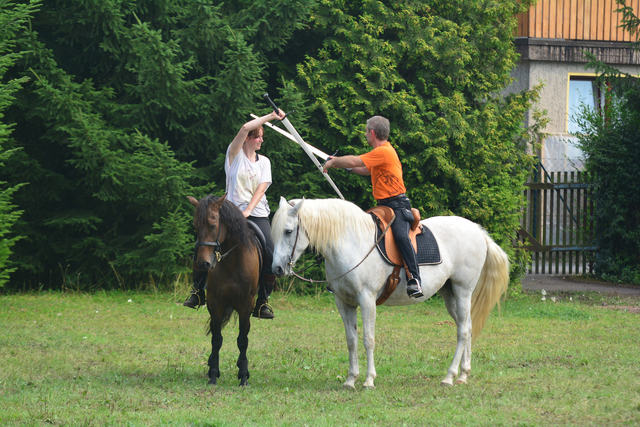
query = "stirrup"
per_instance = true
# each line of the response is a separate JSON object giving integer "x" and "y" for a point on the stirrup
{"x": 199, "y": 301}
{"x": 258, "y": 311}
{"x": 416, "y": 292}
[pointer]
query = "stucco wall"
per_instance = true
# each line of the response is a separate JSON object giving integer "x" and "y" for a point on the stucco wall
{"x": 551, "y": 63}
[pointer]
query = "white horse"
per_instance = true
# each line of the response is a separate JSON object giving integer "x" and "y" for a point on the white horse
{"x": 471, "y": 278}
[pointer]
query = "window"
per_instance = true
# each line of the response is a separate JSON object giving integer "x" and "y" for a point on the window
{"x": 583, "y": 92}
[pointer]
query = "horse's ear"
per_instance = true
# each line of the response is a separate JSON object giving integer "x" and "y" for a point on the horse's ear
{"x": 193, "y": 200}
{"x": 296, "y": 207}
{"x": 219, "y": 201}
{"x": 283, "y": 202}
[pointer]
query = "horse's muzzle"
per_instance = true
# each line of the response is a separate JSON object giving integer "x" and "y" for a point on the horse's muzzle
{"x": 203, "y": 265}
{"x": 278, "y": 271}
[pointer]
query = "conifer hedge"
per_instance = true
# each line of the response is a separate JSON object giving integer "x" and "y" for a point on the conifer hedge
{"x": 13, "y": 20}
{"x": 128, "y": 106}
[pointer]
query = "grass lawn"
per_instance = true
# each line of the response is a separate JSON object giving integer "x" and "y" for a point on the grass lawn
{"x": 140, "y": 359}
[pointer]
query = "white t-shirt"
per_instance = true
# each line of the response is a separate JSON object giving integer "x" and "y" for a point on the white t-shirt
{"x": 243, "y": 177}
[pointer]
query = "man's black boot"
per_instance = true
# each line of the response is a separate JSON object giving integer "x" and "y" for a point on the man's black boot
{"x": 414, "y": 290}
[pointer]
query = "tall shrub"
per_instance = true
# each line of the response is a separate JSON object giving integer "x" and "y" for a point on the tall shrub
{"x": 611, "y": 143}
{"x": 612, "y": 150}
{"x": 435, "y": 69}
{"x": 13, "y": 19}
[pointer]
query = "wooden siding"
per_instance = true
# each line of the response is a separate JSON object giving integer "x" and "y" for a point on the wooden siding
{"x": 575, "y": 20}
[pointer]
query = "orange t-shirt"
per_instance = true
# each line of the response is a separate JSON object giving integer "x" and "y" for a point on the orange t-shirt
{"x": 386, "y": 171}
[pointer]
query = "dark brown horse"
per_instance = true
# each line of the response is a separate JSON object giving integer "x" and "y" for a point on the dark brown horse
{"x": 229, "y": 251}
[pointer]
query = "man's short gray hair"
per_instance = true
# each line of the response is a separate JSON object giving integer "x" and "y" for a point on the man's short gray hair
{"x": 380, "y": 125}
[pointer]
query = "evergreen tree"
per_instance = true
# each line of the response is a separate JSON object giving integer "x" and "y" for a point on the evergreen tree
{"x": 13, "y": 19}
{"x": 129, "y": 108}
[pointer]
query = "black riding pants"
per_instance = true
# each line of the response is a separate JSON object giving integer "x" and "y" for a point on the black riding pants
{"x": 401, "y": 206}
{"x": 267, "y": 279}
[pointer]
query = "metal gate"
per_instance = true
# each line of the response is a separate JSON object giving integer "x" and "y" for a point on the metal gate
{"x": 556, "y": 226}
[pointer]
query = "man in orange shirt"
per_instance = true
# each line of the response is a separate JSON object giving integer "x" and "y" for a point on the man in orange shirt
{"x": 383, "y": 164}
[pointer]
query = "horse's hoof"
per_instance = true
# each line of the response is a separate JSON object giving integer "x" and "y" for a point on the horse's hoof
{"x": 368, "y": 383}
{"x": 446, "y": 383}
{"x": 244, "y": 383}
{"x": 349, "y": 386}
{"x": 461, "y": 381}
{"x": 213, "y": 381}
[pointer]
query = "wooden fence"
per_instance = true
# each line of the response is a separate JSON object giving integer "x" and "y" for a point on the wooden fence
{"x": 556, "y": 226}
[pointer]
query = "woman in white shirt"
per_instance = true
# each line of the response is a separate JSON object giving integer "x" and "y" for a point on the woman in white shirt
{"x": 248, "y": 177}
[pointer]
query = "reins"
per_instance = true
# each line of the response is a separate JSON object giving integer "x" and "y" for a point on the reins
{"x": 343, "y": 274}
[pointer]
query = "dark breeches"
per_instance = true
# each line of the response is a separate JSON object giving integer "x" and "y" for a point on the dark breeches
{"x": 267, "y": 279}
{"x": 401, "y": 206}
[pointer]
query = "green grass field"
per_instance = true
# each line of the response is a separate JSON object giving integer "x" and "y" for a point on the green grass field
{"x": 140, "y": 359}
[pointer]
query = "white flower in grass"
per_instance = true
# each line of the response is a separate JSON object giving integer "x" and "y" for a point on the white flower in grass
{"x": 553, "y": 299}
{"x": 129, "y": 300}
{"x": 544, "y": 295}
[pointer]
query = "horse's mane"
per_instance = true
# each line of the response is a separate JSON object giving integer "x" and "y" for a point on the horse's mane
{"x": 230, "y": 216}
{"x": 327, "y": 221}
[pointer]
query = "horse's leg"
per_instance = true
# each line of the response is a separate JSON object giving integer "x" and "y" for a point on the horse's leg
{"x": 216, "y": 343}
{"x": 350, "y": 320}
{"x": 466, "y": 359}
{"x": 368, "y": 307}
{"x": 459, "y": 306}
{"x": 450, "y": 302}
{"x": 243, "y": 342}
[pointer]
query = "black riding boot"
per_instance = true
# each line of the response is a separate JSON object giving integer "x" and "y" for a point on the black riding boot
{"x": 197, "y": 296}
{"x": 262, "y": 310}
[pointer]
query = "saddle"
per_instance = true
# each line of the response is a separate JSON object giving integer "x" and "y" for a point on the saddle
{"x": 262, "y": 242}
{"x": 385, "y": 216}
{"x": 421, "y": 238}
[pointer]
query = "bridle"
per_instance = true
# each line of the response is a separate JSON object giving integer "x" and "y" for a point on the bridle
{"x": 295, "y": 243}
{"x": 217, "y": 247}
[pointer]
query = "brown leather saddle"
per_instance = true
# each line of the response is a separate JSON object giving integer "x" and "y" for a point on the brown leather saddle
{"x": 385, "y": 216}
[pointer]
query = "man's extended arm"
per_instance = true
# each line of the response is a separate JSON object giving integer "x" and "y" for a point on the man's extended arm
{"x": 353, "y": 162}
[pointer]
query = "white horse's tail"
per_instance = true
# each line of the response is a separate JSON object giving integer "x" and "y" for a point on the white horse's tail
{"x": 491, "y": 285}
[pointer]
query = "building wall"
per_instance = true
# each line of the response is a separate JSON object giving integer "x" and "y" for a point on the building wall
{"x": 552, "y": 63}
